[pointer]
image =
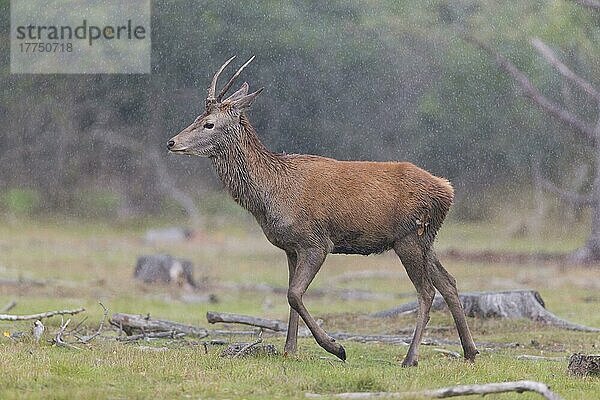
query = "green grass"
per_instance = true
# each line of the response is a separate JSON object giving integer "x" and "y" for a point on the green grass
{"x": 87, "y": 263}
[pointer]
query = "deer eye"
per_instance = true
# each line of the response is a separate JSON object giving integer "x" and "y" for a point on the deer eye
{"x": 208, "y": 125}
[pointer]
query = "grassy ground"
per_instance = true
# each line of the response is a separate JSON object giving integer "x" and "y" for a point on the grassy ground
{"x": 87, "y": 263}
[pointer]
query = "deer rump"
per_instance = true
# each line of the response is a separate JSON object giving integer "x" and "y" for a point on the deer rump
{"x": 363, "y": 207}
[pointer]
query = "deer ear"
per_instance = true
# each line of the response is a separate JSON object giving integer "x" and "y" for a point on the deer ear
{"x": 244, "y": 102}
{"x": 238, "y": 94}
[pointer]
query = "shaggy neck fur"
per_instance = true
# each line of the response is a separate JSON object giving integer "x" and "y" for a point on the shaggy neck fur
{"x": 248, "y": 170}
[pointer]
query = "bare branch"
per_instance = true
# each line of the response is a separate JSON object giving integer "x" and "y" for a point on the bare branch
{"x": 8, "y": 306}
{"x": 581, "y": 128}
{"x": 565, "y": 71}
{"x": 540, "y": 358}
{"x": 58, "y": 339}
{"x": 247, "y": 347}
{"x": 567, "y": 196}
{"x": 151, "y": 335}
{"x": 8, "y": 317}
{"x": 452, "y": 391}
{"x": 87, "y": 339}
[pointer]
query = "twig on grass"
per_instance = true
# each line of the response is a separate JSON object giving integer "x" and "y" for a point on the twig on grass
{"x": 540, "y": 358}
{"x": 58, "y": 339}
{"x": 447, "y": 353}
{"x": 151, "y": 335}
{"x": 87, "y": 339}
{"x": 247, "y": 347}
{"x": 48, "y": 314}
{"x": 452, "y": 391}
{"x": 76, "y": 328}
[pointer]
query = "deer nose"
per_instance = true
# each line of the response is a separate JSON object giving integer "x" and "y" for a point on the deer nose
{"x": 170, "y": 144}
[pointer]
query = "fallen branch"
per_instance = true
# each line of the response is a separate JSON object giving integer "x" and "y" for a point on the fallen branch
{"x": 129, "y": 323}
{"x": 452, "y": 391}
{"x": 540, "y": 358}
{"x": 245, "y": 349}
{"x": 274, "y": 325}
{"x": 527, "y": 304}
{"x": 151, "y": 335}
{"x": 448, "y": 353}
{"x": 48, "y": 314}
{"x": 87, "y": 339}
{"x": 9, "y": 306}
{"x": 58, "y": 339}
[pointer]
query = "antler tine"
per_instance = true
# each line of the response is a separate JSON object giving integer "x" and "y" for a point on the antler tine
{"x": 213, "y": 86}
{"x": 233, "y": 78}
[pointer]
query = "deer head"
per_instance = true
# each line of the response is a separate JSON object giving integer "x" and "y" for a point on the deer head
{"x": 219, "y": 125}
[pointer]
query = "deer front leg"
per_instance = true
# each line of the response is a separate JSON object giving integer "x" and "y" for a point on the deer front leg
{"x": 292, "y": 331}
{"x": 309, "y": 262}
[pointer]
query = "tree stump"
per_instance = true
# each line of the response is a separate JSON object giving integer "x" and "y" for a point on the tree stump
{"x": 163, "y": 268}
{"x": 584, "y": 365}
{"x": 514, "y": 304}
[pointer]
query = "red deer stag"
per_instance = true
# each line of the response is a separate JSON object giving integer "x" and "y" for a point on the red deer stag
{"x": 310, "y": 206}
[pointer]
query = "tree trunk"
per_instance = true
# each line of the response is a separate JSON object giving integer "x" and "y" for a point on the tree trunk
{"x": 590, "y": 252}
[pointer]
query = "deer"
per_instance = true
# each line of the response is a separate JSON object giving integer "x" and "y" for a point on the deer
{"x": 311, "y": 206}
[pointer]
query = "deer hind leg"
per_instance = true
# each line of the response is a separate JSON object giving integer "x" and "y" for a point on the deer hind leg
{"x": 446, "y": 285}
{"x": 292, "y": 332}
{"x": 309, "y": 262}
{"x": 417, "y": 266}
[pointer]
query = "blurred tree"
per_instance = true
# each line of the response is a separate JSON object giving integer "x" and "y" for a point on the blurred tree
{"x": 349, "y": 79}
{"x": 588, "y": 133}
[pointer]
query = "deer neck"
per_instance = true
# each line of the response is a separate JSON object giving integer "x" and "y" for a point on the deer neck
{"x": 249, "y": 170}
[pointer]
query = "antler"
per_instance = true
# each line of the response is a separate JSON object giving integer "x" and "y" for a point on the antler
{"x": 211, "y": 99}
{"x": 233, "y": 78}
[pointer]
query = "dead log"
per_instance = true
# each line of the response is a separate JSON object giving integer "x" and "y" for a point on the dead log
{"x": 48, "y": 314}
{"x": 130, "y": 323}
{"x": 584, "y": 365}
{"x": 452, "y": 391}
{"x": 540, "y": 358}
{"x": 163, "y": 268}
{"x": 514, "y": 304}
{"x": 151, "y": 335}
{"x": 274, "y": 325}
